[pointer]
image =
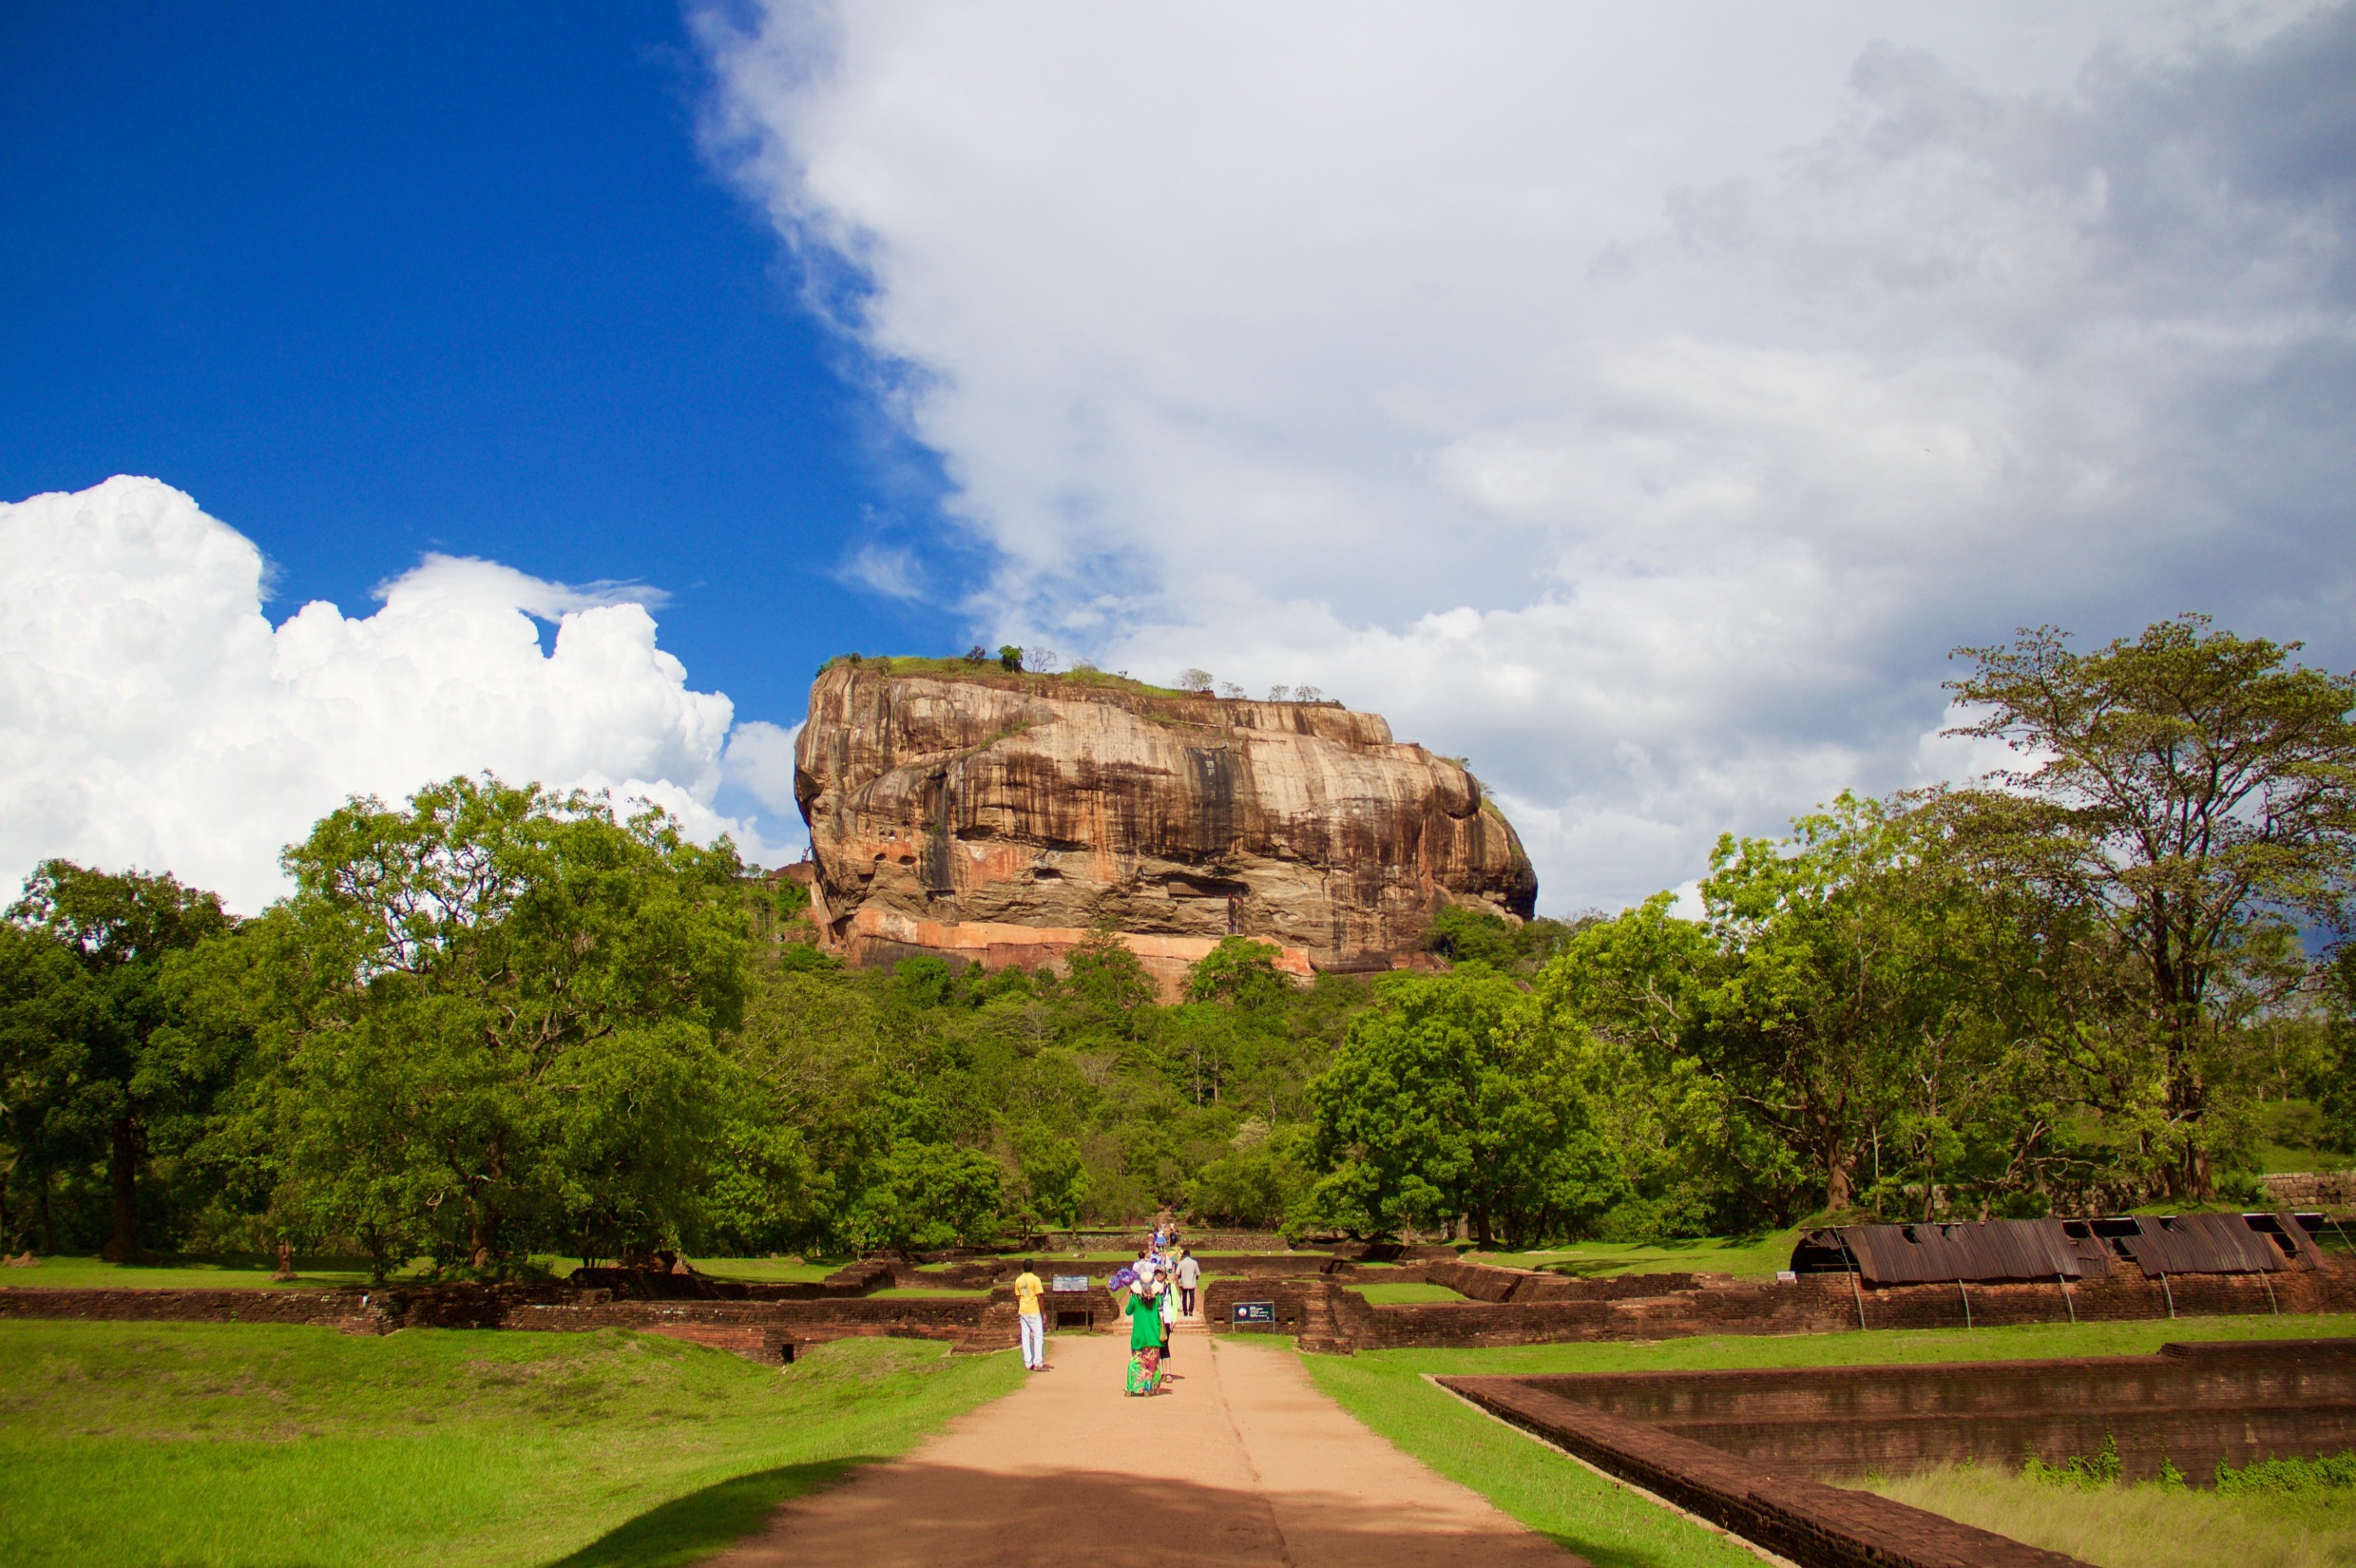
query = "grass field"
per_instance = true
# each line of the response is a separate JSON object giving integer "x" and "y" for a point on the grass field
{"x": 1381, "y": 1295}
{"x": 256, "y": 1446}
{"x": 1614, "y": 1529}
{"x": 1752, "y": 1258}
{"x": 2142, "y": 1526}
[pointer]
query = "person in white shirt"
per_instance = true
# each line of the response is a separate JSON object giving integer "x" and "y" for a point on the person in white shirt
{"x": 1189, "y": 1275}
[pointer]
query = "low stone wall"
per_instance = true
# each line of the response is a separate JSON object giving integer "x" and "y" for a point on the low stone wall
{"x": 2311, "y": 1190}
{"x": 981, "y": 1321}
{"x": 1289, "y": 1299}
{"x": 1811, "y": 1523}
{"x": 2192, "y": 1405}
{"x": 1514, "y": 1307}
{"x": 349, "y": 1310}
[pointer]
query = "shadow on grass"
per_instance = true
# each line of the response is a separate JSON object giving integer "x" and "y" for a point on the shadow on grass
{"x": 689, "y": 1529}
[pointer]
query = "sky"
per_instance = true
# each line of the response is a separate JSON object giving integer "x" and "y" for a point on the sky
{"x": 1639, "y": 401}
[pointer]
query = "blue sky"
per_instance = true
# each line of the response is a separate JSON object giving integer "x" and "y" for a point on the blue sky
{"x": 369, "y": 280}
{"x": 1639, "y": 401}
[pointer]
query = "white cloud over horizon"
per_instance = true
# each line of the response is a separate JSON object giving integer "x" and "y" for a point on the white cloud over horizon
{"x": 151, "y": 715}
{"x": 1640, "y": 402}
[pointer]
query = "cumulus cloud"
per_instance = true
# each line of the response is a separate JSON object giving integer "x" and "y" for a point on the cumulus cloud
{"x": 151, "y": 715}
{"x": 1641, "y": 401}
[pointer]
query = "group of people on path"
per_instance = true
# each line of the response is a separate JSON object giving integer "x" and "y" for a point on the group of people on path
{"x": 1162, "y": 1286}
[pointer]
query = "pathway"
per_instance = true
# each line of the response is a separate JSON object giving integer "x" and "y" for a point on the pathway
{"x": 1242, "y": 1461}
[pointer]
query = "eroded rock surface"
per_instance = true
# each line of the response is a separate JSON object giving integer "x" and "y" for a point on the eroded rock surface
{"x": 998, "y": 812}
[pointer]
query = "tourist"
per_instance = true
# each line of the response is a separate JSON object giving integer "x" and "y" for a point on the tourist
{"x": 1144, "y": 1339}
{"x": 1145, "y": 1267}
{"x": 1189, "y": 1275}
{"x": 1168, "y": 1314}
{"x": 1028, "y": 1291}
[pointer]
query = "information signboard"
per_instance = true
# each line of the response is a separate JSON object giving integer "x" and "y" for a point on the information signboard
{"x": 1071, "y": 1282}
{"x": 1256, "y": 1312}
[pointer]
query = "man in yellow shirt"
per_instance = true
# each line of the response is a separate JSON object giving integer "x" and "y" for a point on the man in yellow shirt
{"x": 1026, "y": 1293}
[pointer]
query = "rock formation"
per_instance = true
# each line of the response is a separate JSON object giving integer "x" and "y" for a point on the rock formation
{"x": 963, "y": 810}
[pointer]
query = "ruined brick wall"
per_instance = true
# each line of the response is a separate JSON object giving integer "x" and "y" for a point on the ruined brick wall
{"x": 1806, "y": 1521}
{"x": 1288, "y": 1296}
{"x": 2194, "y": 1406}
{"x": 329, "y": 1308}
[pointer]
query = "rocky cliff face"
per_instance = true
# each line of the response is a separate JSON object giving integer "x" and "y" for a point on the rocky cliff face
{"x": 1001, "y": 816}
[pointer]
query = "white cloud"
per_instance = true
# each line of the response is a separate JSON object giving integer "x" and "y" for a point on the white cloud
{"x": 761, "y": 759}
{"x": 1641, "y": 400}
{"x": 151, "y": 715}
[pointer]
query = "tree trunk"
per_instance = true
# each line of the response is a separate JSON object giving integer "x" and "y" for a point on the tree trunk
{"x": 1481, "y": 1234}
{"x": 122, "y": 1170}
{"x": 483, "y": 1234}
{"x": 49, "y": 1225}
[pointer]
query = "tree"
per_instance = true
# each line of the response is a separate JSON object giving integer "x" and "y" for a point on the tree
{"x": 1053, "y": 1173}
{"x": 1445, "y": 1102}
{"x": 2192, "y": 790}
{"x": 1107, "y": 980}
{"x": 932, "y": 1196}
{"x": 134, "y": 1072}
{"x": 1010, "y": 659}
{"x": 1238, "y": 971}
{"x": 1191, "y": 680}
{"x": 1474, "y": 936}
{"x": 488, "y": 1020}
{"x": 48, "y": 1008}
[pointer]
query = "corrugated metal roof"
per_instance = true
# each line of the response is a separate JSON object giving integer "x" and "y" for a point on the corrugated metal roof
{"x": 2201, "y": 1244}
{"x": 2042, "y": 1248}
{"x": 1996, "y": 1249}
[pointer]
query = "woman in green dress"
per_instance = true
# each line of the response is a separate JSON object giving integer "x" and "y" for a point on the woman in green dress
{"x": 1144, "y": 1339}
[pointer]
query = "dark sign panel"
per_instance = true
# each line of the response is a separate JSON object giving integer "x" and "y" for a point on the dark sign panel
{"x": 1256, "y": 1312}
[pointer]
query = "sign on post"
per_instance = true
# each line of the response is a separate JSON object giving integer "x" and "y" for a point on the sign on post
{"x": 1256, "y": 1312}
{"x": 1071, "y": 1282}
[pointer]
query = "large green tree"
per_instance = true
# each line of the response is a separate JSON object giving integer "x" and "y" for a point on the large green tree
{"x": 119, "y": 1069}
{"x": 2194, "y": 791}
{"x": 1448, "y": 1102}
{"x": 487, "y": 1021}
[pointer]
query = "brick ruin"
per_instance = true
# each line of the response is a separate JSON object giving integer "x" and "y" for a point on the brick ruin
{"x": 1751, "y": 1451}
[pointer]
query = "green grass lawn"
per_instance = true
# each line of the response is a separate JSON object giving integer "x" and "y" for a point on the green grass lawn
{"x": 197, "y": 1273}
{"x": 267, "y": 1446}
{"x": 769, "y": 1271}
{"x": 1610, "y": 1526}
{"x": 1753, "y": 1258}
{"x": 2141, "y": 1526}
{"x": 1382, "y": 1294}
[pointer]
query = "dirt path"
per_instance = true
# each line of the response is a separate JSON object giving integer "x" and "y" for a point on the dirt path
{"x": 1242, "y": 1461}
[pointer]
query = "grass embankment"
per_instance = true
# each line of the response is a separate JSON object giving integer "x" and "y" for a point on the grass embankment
{"x": 212, "y": 1271}
{"x": 1613, "y": 1527}
{"x": 271, "y": 1447}
{"x": 2142, "y": 1526}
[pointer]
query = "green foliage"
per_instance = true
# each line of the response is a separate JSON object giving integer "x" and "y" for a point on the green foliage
{"x": 2287, "y": 1477}
{"x": 1451, "y": 1099}
{"x": 2190, "y": 799}
{"x": 92, "y": 1048}
{"x": 1010, "y": 659}
{"x": 2082, "y": 1471}
{"x": 483, "y": 1021}
{"x": 1239, "y": 971}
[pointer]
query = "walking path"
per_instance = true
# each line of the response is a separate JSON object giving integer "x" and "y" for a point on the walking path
{"x": 1242, "y": 1461}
